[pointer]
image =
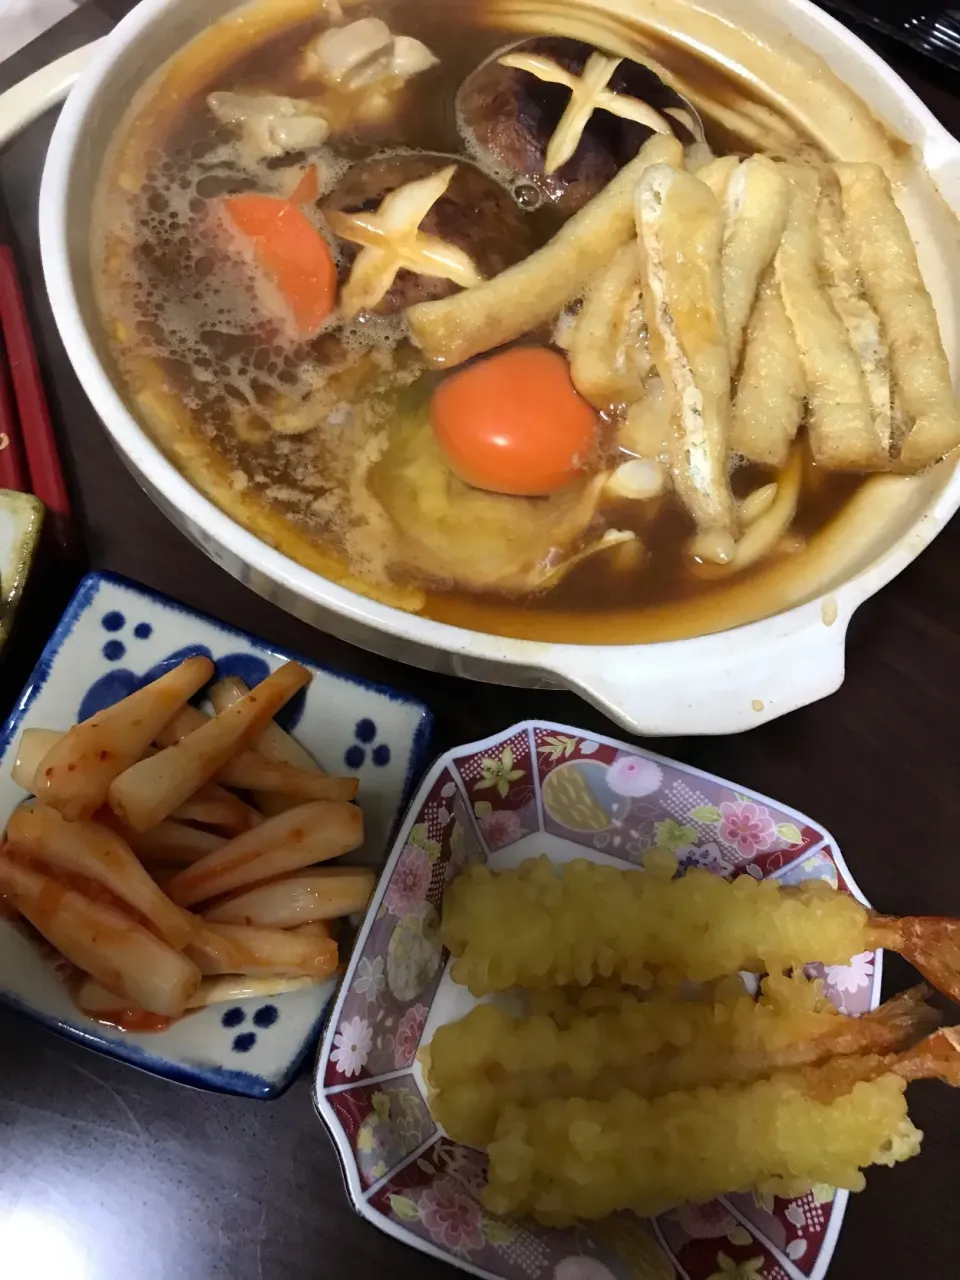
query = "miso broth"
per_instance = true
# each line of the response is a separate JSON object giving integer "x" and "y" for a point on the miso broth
{"x": 253, "y": 415}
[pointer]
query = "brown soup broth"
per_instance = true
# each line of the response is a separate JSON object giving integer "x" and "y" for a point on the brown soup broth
{"x": 182, "y": 315}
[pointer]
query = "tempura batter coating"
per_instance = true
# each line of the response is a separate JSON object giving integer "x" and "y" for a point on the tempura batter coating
{"x": 544, "y": 926}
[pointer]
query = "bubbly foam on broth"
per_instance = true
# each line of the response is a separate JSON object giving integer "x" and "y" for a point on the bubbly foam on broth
{"x": 299, "y": 426}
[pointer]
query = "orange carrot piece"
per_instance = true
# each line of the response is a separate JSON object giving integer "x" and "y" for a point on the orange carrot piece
{"x": 290, "y": 252}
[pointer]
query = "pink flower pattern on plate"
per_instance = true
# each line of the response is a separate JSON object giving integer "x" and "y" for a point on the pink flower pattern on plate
{"x": 500, "y": 827}
{"x": 634, "y": 776}
{"x": 410, "y": 881}
{"x": 747, "y": 826}
{"x": 704, "y": 1221}
{"x": 409, "y": 1031}
{"x": 452, "y": 1218}
{"x": 851, "y": 977}
{"x": 351, "y": 1046}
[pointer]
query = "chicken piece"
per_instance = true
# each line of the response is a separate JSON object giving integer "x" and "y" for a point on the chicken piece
{"x": 363, "y": 53}
{"x": 473, "y": 216}
{"x": 271, "y": 125}
{"x": 562, "y": 116}
{"x": 454, "y": 535}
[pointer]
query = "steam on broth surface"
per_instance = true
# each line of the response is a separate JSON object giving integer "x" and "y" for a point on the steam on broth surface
{"x": 481, "y": 325}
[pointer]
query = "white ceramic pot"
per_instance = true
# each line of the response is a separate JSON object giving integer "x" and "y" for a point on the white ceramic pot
{"x": 716, "y": 683}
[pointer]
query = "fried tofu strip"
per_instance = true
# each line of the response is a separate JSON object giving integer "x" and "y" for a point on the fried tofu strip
{"x": 891, "y": 277}
{"x": 842, "y": 433}
{"x": 755, "y": 208}
{"x": 716, "y": 173}
{"x": 608, "y": 351}
{"x": 680, "y": 228}
{"x": 537, "y": 289}
{"x": 768, "y": 407}
{"x": 646, "y": 430}
{"x": 851, "y": 304}
{"x": 121, "y": 954}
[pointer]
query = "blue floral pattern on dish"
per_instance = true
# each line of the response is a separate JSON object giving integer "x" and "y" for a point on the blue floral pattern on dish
{"x": 355, "y": 756}
{"x": 120, "y": 682}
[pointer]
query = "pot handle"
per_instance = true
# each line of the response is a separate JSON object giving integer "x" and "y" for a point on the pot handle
{"x": 46, "y": 88}
{"x": 723, "y": 683}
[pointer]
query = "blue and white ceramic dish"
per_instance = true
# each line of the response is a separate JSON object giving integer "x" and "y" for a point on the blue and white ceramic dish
{"x": 113, "y": 638}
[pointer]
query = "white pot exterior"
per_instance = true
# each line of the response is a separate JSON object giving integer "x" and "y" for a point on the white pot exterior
{"x": 719, "y": 683}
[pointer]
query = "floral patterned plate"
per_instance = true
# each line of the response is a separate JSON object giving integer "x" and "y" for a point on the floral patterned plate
{"x": 114, "y": 637}
{"x": 545, "y": 788}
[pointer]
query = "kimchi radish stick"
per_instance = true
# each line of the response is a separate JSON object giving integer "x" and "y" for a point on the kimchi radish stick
{"x": 274, "y": 743}
{"x": 292, "y": 840}
{"x": 121, "y": 954}
{"x": 232, "y": 948}
{"x": 34, "y": 745}
{"x": 231, "y": 987}
{"x": 98, "y": 1002}
{"x": 91, "y": 850}
{"x": 75, "y": 775}
{"x": 215, "y": 806}
{"x": 251, "y": 771}
{"x": 151, "y": 790}
{"x": 322, "y": 893}
{"x": 170, "y": 843}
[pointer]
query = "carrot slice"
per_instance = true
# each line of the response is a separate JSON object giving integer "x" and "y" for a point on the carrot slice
{"x": 290, "y": 252}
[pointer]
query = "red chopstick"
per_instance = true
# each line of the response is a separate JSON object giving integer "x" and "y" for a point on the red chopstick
{"x": 36, "y": 431}
{"x": 13, "y": 468}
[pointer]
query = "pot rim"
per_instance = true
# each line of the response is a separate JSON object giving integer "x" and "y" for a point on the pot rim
{"x": 570, "y": 662}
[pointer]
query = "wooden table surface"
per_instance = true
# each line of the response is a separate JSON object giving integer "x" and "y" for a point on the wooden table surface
{"x": 115, "y": 1175}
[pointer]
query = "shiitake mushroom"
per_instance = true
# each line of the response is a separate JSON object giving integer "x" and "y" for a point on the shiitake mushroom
{"x": 476, "y": 214}
{"x": 509, "y": 115}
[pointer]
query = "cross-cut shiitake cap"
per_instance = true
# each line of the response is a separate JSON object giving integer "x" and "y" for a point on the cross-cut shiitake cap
{"x": 509, "y": 116}
{"x": 475, "y": 214}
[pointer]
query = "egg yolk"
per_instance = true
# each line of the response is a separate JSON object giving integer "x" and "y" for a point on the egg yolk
{"x": 514, "y": 423}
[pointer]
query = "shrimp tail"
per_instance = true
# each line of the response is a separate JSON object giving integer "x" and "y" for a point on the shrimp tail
{"x": 935, "y": 1058}
{"x": 902, "y": 1020}
{"x": 930, "y": 943}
